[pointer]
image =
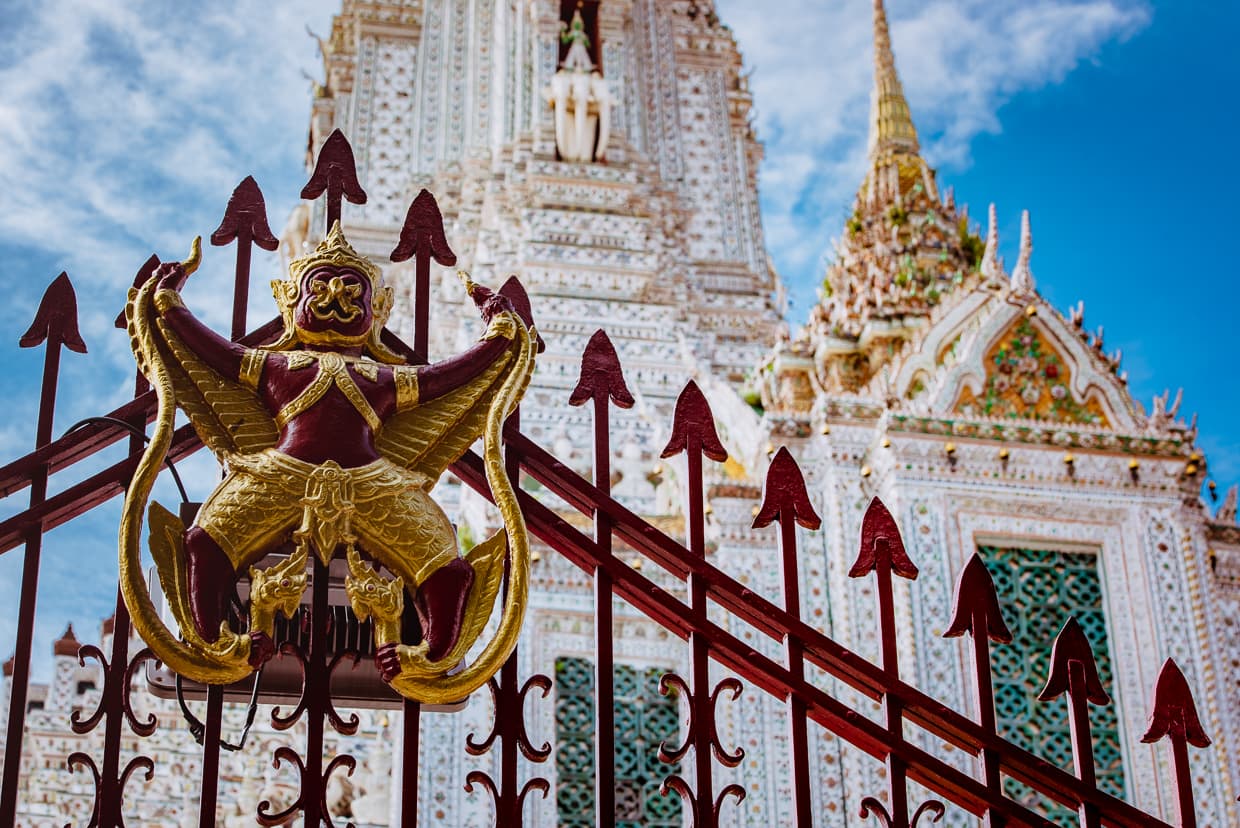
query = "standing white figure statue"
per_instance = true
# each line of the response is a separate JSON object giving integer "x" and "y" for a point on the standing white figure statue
{"x": 580, "y": 98}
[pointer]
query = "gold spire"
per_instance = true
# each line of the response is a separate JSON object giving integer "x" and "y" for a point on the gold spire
{"x": 891, "y": 126}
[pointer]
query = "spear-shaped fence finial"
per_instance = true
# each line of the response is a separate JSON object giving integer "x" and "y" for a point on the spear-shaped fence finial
{"x": 601, "y": 377}
{"x": 245, "y": 221}
{"x": 422, "y": 238}
{"x": 56, "y": 318}
{"x": 335, "y": 173}
{"x": 1175, "y": 716}
{"x": 1074, "y": 671}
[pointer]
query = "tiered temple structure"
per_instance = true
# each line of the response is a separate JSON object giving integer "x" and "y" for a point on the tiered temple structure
{"x": 603, "y": 152}
{"x": 992, "y": 423}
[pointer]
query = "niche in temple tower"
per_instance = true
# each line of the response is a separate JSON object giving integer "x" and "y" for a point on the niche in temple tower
{"x": 578, "y": 95}
{"x": 588, "y": 9}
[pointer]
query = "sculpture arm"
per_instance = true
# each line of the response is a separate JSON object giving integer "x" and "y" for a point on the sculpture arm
{"x": 222, "y": 356}
{"x": 441, "y": 377}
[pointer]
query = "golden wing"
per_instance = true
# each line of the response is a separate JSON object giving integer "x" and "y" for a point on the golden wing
{"x": 434, "y": 434}
{"x": 228, "y": 417}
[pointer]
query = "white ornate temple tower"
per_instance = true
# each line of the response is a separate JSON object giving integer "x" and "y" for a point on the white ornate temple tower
{"x": 602, "y": 152}
{"x": 991, "y": 423}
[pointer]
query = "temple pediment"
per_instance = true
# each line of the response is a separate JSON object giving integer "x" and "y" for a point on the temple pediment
{"x": 1028, "y": 377}
{"x": 1027, "y": 362}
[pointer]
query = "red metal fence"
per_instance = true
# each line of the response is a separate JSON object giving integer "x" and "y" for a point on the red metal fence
{"x": 785, "y": 504}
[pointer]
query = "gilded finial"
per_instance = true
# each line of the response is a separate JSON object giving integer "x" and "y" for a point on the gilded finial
{"x": 891, "y": 126}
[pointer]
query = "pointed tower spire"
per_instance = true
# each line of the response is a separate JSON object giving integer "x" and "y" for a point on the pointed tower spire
{"x": 1022, "y": 276}
{"x": 891, "y": 126}
{"x": 992, "y": 266}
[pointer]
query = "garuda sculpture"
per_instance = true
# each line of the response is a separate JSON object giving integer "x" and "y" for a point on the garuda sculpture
{"x": 331, "y": 444}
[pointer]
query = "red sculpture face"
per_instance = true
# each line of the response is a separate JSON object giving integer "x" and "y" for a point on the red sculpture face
{"x": 335, "y": 301}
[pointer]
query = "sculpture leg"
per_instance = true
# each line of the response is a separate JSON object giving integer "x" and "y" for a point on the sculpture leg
{"x": 211, "y": 578}
{"x": 440, "y": 603}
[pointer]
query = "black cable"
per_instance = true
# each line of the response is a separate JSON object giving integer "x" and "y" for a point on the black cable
{"x": 137, "y": 432}
{"x": 198, "y": 730}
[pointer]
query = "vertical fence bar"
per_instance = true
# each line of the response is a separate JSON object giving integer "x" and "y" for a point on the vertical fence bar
{"x": 1073, "y": 671}
{"x": 422, "y": 238}
{"x": 882, "y": 552}
{"x": 55, "y": 323}
{"x": 422, "y": 299}
{"x": 693, "y": 432}
{"x": 602, "y": 380}
{"x": 892, "y": 706}
{"x": 318, "y": 697}
{"x": 509, "y": 701}
{"x": 509, "y": 698}
{"x": 411, "y": 733}
{"x": 245, "y": 221}
{"x": 114, "y": 688}
{"x": 699, "y": 651}
{"x": 411, "y": 736}
{"x": 605, "y": 698}
{"x": 211, "y": 756}
{"x": 976, "y": 611}
{"x": 785, "y": 499}
{"x": 1175, "y": 716}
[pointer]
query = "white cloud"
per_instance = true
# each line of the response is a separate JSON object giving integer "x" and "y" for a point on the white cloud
{"x": 959, "y": 60}
{"x": 125, "y": 128}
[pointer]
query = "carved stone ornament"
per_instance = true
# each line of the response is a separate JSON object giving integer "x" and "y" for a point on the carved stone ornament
{"x": 331, "y": 445}
{"x": 581, "y": 100}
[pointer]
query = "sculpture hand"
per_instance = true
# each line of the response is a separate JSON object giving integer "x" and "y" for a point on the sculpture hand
{"x": 387, "y": 659}
{"x": 262, "y": 648}
{"x": 171, "y": 276}
{"x": 493, "y": 304}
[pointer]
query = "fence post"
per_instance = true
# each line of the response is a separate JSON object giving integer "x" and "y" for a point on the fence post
{"x": 976, "y": 611}
{"x": 56, "y": 324}
{"x": 785, "y": 499}
{"x": 602, "y": 380}
{"x": 693, "y": 432}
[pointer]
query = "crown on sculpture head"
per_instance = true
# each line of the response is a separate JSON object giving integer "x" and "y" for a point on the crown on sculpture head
{"x": 334, "y": 251}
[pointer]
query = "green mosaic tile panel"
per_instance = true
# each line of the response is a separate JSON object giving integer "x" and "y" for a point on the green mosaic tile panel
{"x": 1038, "y": 589}
{"x": 644, "y": 719}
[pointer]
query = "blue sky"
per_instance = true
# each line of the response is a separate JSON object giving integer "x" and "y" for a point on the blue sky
{"x": 126, "y": 126}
